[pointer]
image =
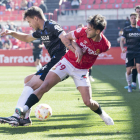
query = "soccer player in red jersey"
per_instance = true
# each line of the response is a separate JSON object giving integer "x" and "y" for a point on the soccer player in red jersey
{"x": 93, "y": 42}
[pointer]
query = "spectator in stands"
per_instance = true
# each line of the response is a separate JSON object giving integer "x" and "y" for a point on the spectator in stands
{"x": 80, "y": 25}
{"x": 67, "y": 5}
{"x": 1, "y": 44}
{"x": 3, "y": 2}
{"x": 127, "y": 22}
{"x": 16, "y": 43}
{"x": 30, "y": 4}
{"x": 75, "y": 5}
{"x": 23, "y": 5}
{"x": 18, "y": 29}
{"x": 16, "y": 6}
{"x": 9, "y": 5}
{"x": 137, "y": 9}
{"x": 120, "y": 35}
{"x": 7, "y": 45}
{"x": 1, "y": 28}
{"x": 43, "y": 6}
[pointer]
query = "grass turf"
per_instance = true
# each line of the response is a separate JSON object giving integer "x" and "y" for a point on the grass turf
{"x": 71, "y": 119}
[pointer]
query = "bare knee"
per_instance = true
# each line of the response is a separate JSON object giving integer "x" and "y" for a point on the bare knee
{"x": 87, "y": 103}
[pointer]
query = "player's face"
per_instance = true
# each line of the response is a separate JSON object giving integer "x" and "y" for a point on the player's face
{"x": 138, "y": 12}
{"x": 133, "y": 20}
{"x": 91, "y": 32}
{"x": 32, "y": 22}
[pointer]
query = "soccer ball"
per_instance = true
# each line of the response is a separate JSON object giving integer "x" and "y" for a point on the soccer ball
{"x": 43, "y": 112}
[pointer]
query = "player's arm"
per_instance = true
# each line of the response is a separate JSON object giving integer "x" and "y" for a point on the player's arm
{"x": 20, "y": 36}
{"x": 69, "y": 42}
{"x": 122, "y": 42}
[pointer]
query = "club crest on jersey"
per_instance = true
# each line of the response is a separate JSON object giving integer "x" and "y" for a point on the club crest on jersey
{"x": 58, "y": 28}
{"x": 78, "y": 30}
{"x": 97, "y": 51}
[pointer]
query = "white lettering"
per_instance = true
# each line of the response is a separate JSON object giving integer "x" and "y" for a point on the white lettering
{"x": 1, "y": 58}
{"x": 6, "y": 59}
{"x": 134, "y": 34}
{"x": 25, "y": 59}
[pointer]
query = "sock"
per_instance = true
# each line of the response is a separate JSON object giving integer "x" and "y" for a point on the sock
{"x": 27, "y": 91}
{"x": 27, "y": 115}
{"x": 89, "y": 72}
{"x": 139, "y": 79}
{"x": 99, "y": 110}
{"x": 30, "y": 102}
{"x": 40, "y": 65}
{"x": 134, "y": 75}
{"x": 37, "y": 67}
{"x": 128, "y": 79}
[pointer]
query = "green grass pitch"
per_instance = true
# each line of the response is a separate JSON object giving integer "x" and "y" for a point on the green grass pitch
{"x": 71, "y": 119}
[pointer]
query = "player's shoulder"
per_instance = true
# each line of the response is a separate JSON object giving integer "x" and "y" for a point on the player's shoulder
{"x": 127, "y": 28}
{"x": 82, "y": 31}
{"x": 49, "y": 23}
{"x": 104, "y": 41}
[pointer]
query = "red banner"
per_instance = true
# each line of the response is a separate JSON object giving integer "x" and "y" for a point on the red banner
{"x": 25, "y": 57}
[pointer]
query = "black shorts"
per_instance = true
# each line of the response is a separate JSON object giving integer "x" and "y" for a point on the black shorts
{"x": 37, "y": 55}
{"x": 45, "y": 69}
{"x": 132, "y": 59}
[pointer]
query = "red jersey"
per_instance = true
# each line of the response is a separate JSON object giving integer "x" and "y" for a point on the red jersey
{"x": 92, "y": 48}
{"x": 138, "y": 23}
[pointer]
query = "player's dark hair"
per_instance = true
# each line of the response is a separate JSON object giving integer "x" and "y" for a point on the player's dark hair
{"x": 134, "y": 14}
{"x": 80, "y": 24}
{"x": 137, "y": 7}
{"x": 98, "y": 22}
{"x": 34, "y": 11}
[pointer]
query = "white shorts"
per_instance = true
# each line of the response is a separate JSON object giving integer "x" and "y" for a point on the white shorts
{"x": 64, "y": 68}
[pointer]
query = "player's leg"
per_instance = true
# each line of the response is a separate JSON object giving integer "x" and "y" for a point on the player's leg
{"x": 129, "y": 78}
{"x": 38, "y": 64}
{"x": 138, "y": 69}
{"x": 134, "y": 76}
{"x": 93, "y": 105}
{"x": 82, "y": 83}
{"x": 28, "y": 78}
{"x": 33, "y": 84}
{"x": 129, "y": 66}
{"x": 56, "y": 74}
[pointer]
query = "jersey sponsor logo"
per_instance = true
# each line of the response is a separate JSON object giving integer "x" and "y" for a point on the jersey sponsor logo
{"x": 85, "y": 42}
{"x": 105, "y": 56}
{"x": 45, "y": 38}
{"x": 90, "y": 51}
{"x": 78, "y": 30}
{"x": 134, "y": 34}
{"x": 58, "y": 28}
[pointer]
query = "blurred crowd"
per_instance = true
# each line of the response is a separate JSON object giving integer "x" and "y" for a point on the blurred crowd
{"x": 11, "y": 5}
{"x": 70, "y": 5}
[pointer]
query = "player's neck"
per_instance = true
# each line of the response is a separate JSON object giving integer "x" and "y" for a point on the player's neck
{"x": 41, "y": 23}
{"x": 133, "y": 25}
{"x": 97, "y": 38}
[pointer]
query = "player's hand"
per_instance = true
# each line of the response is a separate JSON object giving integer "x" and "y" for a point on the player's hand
{"x": 6, "y": 32}
{"x": 123, "y": 50}
{"x": 78, "y": 54}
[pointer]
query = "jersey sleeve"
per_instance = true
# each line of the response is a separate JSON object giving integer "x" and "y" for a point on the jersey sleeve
{"x": 124, "y": 33}
{"x": 36, "y": 34}
{"x": 55, "y": 28}
{"x": 78, "y": 33}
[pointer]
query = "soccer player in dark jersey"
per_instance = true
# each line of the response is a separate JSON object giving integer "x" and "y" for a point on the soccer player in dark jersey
{"x": 132, "y": 36}
{"x": 37, "y": 53}
{"x": 93, "y": 42}
{"x": 134, "y": 70}
{"x": 52, "y": 35}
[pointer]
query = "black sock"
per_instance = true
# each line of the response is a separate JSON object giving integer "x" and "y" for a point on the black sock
{"x": 98, "y": 111}
{"x": 134, "y": 75}
{"x": 32, "y": 100}
{"x": 89, "y": 72}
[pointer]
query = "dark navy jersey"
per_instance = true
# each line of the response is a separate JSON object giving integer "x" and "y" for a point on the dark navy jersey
{"x": 132, "y": 36}
{"x": 50, "y": 37}
{"x": 36, "y": 44}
